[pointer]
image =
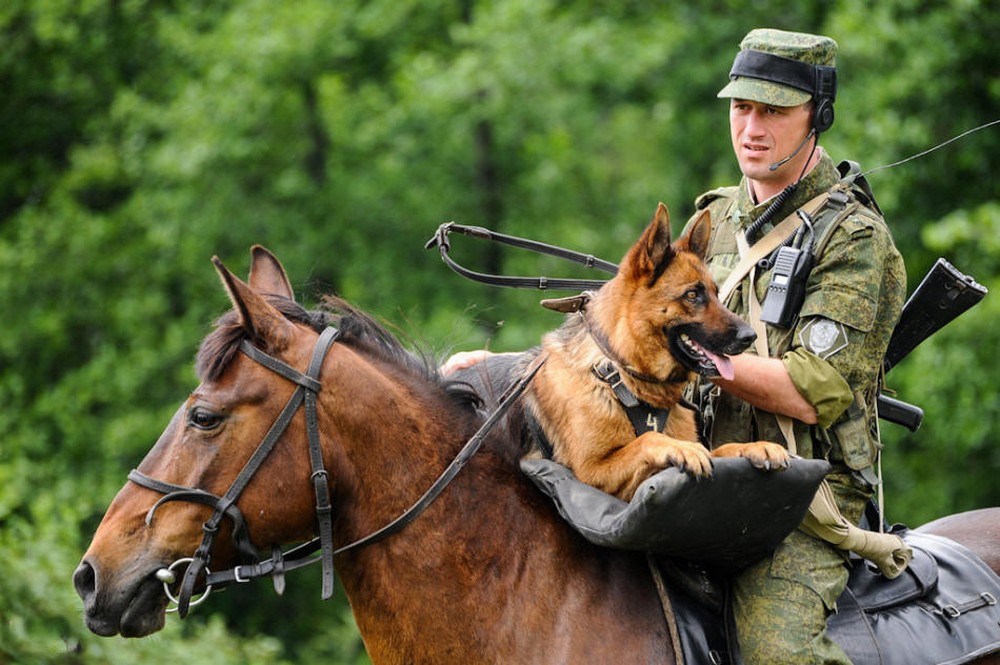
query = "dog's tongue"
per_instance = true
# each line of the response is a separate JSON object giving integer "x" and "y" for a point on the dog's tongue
{"x": 722, "y": 363}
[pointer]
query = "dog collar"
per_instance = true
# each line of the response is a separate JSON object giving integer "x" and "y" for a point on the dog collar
{"x": 602, "y": 343}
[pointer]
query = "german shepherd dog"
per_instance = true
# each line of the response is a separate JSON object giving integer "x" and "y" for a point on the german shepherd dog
{"x": 647, "y": 332}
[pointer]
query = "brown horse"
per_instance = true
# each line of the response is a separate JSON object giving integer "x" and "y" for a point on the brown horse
{"x": 488, "y": 573}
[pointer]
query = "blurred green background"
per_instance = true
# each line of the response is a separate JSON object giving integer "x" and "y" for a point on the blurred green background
{"x": 140, "y": 137}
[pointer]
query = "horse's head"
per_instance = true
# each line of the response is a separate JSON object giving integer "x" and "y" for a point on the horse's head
{"x": 190, "y": 474}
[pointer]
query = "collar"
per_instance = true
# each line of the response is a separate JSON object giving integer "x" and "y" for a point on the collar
{"x": 820, "y": 178}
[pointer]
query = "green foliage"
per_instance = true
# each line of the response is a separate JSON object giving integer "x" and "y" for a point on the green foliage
{"x": 141, "y": 137}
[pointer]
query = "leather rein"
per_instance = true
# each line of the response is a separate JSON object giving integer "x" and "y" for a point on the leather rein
{"x": 441, "y": 241}
{"x": 251, "y": 566}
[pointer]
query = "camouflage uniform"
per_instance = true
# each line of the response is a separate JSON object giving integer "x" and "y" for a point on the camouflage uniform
{"x": 833, "y": 353}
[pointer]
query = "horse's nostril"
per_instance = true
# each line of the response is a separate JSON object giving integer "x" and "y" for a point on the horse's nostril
{"x": 84, "y": 579}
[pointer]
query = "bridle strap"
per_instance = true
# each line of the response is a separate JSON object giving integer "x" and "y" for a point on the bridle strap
{"x": 299, "y": 556}
{"x": 307, "y": 385}
{"x": 319, "y": 475}
{"x": 171, "y": 492}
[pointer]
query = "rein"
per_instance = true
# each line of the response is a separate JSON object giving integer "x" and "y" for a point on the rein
{"x": 297, "y": 557}
{"x": 440, "y": 240}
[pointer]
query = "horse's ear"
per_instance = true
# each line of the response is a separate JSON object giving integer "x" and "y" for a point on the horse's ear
{"x": 650, "y": 255}
{"x": 262, "y": 321}
{"x": 697, "y": 236}
{"x": 267, "y": 274}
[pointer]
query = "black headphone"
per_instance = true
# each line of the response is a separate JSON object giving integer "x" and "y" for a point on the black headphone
{"x": 820, "y": 81}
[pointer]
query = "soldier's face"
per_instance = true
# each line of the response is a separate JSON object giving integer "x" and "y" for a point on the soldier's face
{"x": 764, "y": 135}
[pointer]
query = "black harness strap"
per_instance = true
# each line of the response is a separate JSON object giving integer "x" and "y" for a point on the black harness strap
{"x": 440, "y": 240}
{"x": 644, "y": 416}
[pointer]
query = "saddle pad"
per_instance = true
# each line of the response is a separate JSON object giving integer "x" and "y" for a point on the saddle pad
{"x": 954, "y": 622}
{"x": 725, "y": 522}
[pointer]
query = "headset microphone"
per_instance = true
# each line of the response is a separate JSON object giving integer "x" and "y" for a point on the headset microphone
{"x": 778, "y": 165}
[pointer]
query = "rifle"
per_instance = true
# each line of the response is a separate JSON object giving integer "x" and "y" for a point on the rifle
{"x": 942, "y": 295}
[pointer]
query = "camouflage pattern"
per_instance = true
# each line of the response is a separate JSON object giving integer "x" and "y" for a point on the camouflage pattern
{"x": 813, "y": 49}
{"x": 857, "y": 286}
{"x": 854, "y": 296}
{"x": 781, "y": 604}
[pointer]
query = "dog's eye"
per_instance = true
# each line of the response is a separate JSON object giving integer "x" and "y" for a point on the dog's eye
{"x": 692, "y": 295}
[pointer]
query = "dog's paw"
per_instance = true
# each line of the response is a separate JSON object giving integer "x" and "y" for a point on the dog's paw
{"x": 762, "y": 454}
{"x": 691, "y": 458}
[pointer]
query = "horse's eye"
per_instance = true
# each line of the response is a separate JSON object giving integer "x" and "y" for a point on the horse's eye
{"x": 204, "y": 419}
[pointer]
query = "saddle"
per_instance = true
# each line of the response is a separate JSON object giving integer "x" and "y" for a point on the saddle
{"x": 942, "y": 609}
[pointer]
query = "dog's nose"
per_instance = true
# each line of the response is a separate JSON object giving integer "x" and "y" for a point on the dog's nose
{"x": 745, "y": 336}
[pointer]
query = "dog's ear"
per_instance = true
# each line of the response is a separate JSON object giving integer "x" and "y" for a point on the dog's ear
{"x": 697, "y": 237}
{"x": 651, "y": 254}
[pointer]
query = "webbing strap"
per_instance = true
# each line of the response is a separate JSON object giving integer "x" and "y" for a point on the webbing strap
{"x": 763, "y": 247}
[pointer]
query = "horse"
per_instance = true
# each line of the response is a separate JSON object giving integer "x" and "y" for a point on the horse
{"x": 486, "y": 573}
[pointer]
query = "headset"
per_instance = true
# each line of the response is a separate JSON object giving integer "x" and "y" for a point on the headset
{"x": 820, "y": 81}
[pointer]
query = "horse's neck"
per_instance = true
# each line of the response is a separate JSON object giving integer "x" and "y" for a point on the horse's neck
{"x": 488, "y": 572}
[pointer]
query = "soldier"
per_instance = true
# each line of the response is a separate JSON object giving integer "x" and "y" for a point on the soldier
{"x": 814, "y": 377}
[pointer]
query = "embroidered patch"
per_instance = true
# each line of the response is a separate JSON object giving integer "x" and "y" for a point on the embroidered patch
{"x": 823, "y": 337}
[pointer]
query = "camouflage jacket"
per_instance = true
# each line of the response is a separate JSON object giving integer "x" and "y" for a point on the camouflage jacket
{"x": 835, "y": 347}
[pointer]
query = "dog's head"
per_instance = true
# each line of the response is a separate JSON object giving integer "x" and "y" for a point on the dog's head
{"x": 663, "y": 299}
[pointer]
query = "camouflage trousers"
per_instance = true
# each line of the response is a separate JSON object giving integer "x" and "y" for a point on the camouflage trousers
{"x": 781, "y": 603}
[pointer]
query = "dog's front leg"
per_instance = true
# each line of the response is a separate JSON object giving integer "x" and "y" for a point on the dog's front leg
{"x": 762, "y": 454}
{"x": 622, "y": 471}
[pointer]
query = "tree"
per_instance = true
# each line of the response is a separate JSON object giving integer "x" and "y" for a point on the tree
{"x": 142, "y": 137}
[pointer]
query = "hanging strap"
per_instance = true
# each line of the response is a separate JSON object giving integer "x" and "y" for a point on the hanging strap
{"x": 440, "y": 240}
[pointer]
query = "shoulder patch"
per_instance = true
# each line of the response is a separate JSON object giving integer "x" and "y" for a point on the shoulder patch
{"x": 705, "y": 199}
{"x": 823, "y": 337}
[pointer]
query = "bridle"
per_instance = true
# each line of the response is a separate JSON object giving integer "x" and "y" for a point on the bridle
{"x": 308, "y": 387}
{"x": 225, "y": 506}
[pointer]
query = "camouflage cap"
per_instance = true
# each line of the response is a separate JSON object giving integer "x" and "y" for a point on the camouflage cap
{"x": 793, "y": 46}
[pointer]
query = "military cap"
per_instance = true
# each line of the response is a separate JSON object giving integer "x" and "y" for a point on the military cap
{"x": 785, "y": 80}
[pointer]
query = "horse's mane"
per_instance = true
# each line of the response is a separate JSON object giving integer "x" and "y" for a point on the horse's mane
{"x": 357, "y": 330}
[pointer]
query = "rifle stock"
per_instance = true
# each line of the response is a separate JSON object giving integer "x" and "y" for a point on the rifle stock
{"x": 942, "y": 295}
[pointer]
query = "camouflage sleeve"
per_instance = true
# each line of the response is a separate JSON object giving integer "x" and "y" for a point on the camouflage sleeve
{"x": 852, "y": 303}
{"x": 819, "y": 383}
